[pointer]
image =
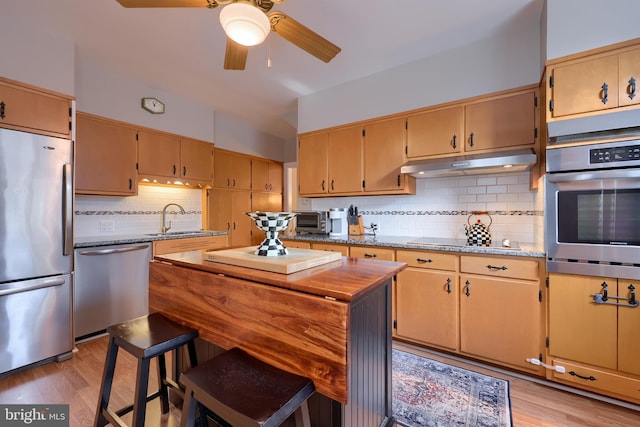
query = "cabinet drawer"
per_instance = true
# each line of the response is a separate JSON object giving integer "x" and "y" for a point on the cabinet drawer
{"x": 372, "y": 253}
{"x": 189, "y": 244}
{"x": 295, "y": 244}
{"x": 597, "y": 380}
{"x": 500, "y": 267}
{"x": 344, "y": 250}
{"x": 431, "y": 260}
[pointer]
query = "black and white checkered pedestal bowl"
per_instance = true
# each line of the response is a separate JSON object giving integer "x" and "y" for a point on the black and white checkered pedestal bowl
{"x": 271, "y": 223}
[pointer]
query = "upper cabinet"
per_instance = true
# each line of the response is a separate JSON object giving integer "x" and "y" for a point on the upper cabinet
{"x": 385, "y": 145}
{"x": 493, "y": 122}
{"x": 169, "y": 158}
{"x": 354, "y": 160}
{"x": 231, "y": 170}
{"x": 594, "y": 82}
{"x": 266, "y": 176}
{"x": 435, "y": 132}
{"x": 106, "y": 156}
{"x": 501, "y": 122}
{"x": 30, "y": 109}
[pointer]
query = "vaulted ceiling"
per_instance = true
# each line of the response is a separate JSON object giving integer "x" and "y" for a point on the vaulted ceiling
{"x": 182, "y": 50}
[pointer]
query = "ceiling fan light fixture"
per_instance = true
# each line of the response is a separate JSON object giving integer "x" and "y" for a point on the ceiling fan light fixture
{"x": 245, "y": 24}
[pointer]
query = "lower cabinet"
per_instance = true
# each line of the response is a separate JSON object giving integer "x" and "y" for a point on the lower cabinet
{"x": 501, "y": 310}
{"x": 596, "y": 343}
{"x": 190, "y": 244}
{"x": 426, "y": 299}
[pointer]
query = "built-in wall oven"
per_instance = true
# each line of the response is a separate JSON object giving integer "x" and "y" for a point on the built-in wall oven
{"x": 592, "y": 208}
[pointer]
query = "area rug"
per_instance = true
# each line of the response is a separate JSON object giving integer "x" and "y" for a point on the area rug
{"x": 431, "y": 393}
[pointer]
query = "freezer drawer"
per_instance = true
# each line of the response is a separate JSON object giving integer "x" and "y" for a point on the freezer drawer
{"x": 35, "y": 321}
{"x": 111, "y": 286}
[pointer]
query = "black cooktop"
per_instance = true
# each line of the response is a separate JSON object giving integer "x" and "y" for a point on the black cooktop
{"x": 443, "y": 241}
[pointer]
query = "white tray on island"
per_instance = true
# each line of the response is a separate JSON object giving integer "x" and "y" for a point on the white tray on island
{"x": 295, "y": 260}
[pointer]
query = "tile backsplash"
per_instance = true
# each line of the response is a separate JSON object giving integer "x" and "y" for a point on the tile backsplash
{"x": 137, "y": 214}
{"x": 441, "y": 208}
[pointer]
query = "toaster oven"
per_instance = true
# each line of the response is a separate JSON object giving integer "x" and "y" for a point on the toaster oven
{"x": 312, "y": 222}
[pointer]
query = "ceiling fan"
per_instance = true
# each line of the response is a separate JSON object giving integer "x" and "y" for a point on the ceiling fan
{"x": 256, "y": 17}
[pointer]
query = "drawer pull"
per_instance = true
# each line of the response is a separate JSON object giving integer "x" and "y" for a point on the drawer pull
{"x": 590, "y": 377}
{"x": 493, "y": 267}
{"x": 605, "y": 92}
{"x": 370, "y": 255}
{"x": 422, "y": 260}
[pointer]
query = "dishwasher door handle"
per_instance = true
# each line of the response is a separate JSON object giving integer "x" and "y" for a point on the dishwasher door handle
{"x": 47, "y": 283}
{"x": 114, "y": 250}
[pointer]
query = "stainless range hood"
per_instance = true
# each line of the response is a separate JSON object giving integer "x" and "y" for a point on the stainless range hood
{"x": 472, "y": 164}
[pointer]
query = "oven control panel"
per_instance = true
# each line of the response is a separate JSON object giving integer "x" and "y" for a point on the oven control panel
{"x": 614, "y": 154}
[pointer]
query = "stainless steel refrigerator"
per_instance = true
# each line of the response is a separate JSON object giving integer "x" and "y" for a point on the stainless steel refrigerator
{"x": 36, "y": 248}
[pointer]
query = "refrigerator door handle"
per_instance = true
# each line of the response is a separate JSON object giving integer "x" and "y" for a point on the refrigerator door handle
{"x": 41, "y": 284}
{"x": 67, "y": 209}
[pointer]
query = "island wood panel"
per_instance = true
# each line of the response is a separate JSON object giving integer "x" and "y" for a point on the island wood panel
{"x": 294, "y": 331}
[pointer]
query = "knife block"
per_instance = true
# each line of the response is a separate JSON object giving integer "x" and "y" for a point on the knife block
{"x": 356, "y": 229}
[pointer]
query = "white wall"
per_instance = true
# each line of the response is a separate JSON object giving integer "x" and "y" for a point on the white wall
{"x": 577, "y": 25}
{"x": 510, "y": 59}
{"x": 33, "y": 56}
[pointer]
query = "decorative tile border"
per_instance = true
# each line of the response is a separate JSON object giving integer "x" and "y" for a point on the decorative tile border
{"x": 134, "y": 212}
{"x": 451, "y": 213}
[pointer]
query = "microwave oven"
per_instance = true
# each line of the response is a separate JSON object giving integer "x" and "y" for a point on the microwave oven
{"x": 312, "y": 222}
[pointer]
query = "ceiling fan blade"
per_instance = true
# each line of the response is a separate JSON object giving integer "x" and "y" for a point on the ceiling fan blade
{"x": 303, "y": 37}
{"x": 167, "y": 3}
{"x": 235, "y": 57}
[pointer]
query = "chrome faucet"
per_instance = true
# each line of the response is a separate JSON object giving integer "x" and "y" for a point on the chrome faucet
{"x": 164, "y": 214}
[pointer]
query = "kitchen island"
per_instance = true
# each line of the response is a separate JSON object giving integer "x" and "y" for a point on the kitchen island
{"x": 331, "y": 323}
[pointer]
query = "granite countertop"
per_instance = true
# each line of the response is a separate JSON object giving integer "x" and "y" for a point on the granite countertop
{"x": 85, "y": 242}
{"x": 402, "y": 242}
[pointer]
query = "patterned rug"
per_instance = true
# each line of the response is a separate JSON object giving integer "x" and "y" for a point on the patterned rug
{"x": 430, "y": 393}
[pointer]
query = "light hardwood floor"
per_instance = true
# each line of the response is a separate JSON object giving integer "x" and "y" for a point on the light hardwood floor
{"x": 77, "y": 382}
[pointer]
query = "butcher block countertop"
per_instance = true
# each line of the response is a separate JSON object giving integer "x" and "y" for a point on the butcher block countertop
{"x": 345, "y": 279}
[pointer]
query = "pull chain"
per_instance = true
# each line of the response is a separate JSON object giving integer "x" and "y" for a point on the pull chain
{"x": 269, "y": 51}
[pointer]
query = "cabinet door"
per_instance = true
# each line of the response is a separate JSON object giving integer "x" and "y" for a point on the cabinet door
{"x": 259, "y": 175}
{"x": 227, "y": 213}
{"x": 158, "y": 154}
{"x": 231, "y": 170}
{"x": 106, "y": 157}
{"x": 34, "y": 111}
{"x": 384, "y": 154}
{"x": 264, "y": 202}
{"x": 313, "y": 164}
{"x": 266, "y": 176}
{"x": 345, "y": 160}
{"x": 580, "y": 330}
{"x": 427, "y": 307}
{"x": 276, "y": 177}
{"x": 500, "y": 319}
{"x": 435, "y": 132}
{"x": 196, "y": 158}
{"x": 500, "y": 123}
{"x": 628, "y": 323}
{"x": 578, "y": 87}
{"x": 629, "y": 75}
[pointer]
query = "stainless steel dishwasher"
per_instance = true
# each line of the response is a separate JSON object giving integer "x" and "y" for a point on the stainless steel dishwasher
{"x": 111, "y": 286}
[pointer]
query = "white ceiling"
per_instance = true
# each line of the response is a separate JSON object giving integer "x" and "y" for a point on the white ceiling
{"x": 182, "y": 50}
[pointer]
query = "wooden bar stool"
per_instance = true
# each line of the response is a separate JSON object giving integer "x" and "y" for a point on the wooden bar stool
{"x": 244, "y": 392}
{"x": 145, "y": 338}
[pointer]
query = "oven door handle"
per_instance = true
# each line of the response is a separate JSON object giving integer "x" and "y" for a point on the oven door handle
{"x": 594, "y": 175}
